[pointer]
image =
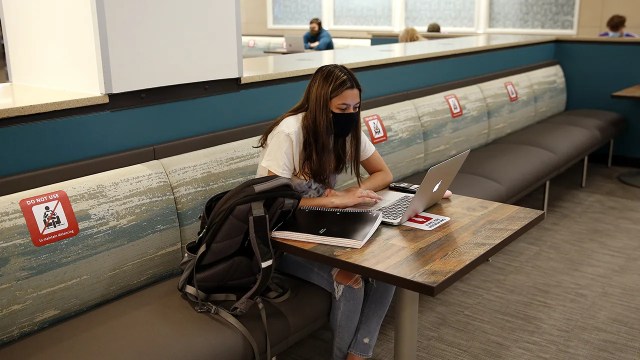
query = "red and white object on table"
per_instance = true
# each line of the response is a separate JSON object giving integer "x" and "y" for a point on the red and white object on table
{"x": 426, "y": 221}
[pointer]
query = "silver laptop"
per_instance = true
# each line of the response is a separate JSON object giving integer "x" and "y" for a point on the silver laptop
{"x": 293, "y": 44}
{"x": 399, "y": 207}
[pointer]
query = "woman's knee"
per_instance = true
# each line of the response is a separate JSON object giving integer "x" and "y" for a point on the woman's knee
{"x": 346, "y": 278}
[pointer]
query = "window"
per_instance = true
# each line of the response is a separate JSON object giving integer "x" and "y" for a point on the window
{"x": 295, "y": 12}
{"x": 532, "y": 14}
{"x": 450, "y": 14}
{"x": 369, "y": 13}
{"x": 481, "y": 16}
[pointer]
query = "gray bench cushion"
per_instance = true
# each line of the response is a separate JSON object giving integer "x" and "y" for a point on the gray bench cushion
{"x": 479, "y": 187}
{"x": 515, "y": 167}
{"x": 156, "y": 323}
{"x": 606, "y": 123}
{"x": 568, "y": 142}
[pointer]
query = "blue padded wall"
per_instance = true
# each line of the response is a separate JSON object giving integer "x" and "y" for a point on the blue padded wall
{"x": 33, "y": 146}
{"x": 595, "y": 70}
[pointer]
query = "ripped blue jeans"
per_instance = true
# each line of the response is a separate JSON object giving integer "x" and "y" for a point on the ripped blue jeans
{"x": 357, "y": 310}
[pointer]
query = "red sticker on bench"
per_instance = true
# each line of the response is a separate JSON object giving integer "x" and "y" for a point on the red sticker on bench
{"x": 49, "y": 218}
{"x": 511, "y": 91}
{"x": 377, "y": 131}
{"x": 454, "y": 105}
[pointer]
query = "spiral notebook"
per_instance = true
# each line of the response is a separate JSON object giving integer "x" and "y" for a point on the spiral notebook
{"x": 340, "y": 227}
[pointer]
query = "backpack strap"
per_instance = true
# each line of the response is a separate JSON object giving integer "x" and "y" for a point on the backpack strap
{"x": 260, "y": 236}
{"x": 215, "y": 310}
{"x": 277, "y": 293}
{"x": 188, "y": 266}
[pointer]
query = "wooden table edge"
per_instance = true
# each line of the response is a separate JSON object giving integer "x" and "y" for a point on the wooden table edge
{"x": 626, "y": 93}
{"x": 402, "y": 282}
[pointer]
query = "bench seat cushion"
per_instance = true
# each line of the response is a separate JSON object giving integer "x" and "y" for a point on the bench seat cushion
{"x": 479, "y": 187}
{"x": 567, "y": 142}
{"x": 156, "y": 323}
{"x": 515, "y": 167}
{"x": 606, "y": 123}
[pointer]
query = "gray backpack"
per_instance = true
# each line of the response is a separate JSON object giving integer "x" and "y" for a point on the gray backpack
{"x": 230, "y": 266}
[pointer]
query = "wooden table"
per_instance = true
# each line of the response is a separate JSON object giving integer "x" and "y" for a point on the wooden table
{"x": 630, "y": 92}
{"x": 632, "y": 177}
{"x": 426, "y": 262}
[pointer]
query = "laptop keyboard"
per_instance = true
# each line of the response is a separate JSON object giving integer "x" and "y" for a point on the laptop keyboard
{"x": 396, "y": 209}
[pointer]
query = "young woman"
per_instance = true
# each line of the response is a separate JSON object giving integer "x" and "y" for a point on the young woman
{"x": 311, "y": 144}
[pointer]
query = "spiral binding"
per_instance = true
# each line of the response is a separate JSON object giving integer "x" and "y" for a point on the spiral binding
{"x": 334, "y": 210}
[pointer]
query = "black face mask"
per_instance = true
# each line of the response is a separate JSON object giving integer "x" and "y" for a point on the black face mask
{"x": 343, "y": 123}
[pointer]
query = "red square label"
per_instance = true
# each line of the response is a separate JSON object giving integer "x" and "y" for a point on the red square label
{"x": 511, "y": 91}
{"x": 454, "y": 105}
{"x": 49, "y": 218}
{"x": 377, "y": 131}
{"x": 420, "y": 219}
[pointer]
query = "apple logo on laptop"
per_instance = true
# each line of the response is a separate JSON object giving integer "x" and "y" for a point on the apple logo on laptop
{"x": 437, "y": 186}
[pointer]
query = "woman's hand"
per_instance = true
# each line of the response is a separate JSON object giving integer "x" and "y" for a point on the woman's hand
{"x": 351, "y": 197}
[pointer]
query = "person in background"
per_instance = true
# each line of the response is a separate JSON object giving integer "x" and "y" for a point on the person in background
{"x": 317, "y": 38}
{"x": 433, "y": 28}
{"x": 409, "y": 34}
{"x": 313, "y": 142}
{"x": 616, "y": 25}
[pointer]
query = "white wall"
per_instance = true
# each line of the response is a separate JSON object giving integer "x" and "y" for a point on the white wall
{"x": 151, "y": 43}
{"x": 52, "y": 44}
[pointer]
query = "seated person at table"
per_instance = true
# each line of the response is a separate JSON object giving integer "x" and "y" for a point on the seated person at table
{"x": 616, "y": 25}
{"x": 410, "y": 34}
{"x": 317, "y": 38}
{"x": 311, "y": 144}
{"x": 433, "y": 28}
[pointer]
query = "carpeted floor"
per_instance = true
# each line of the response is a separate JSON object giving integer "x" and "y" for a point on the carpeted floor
{"x": 567, "y": 289}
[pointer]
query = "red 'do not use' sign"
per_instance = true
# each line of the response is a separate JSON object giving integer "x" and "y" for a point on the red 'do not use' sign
{"x": 49, "y": 217}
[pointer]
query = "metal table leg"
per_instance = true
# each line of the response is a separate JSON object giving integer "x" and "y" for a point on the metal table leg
{"x": 406, "y": 331}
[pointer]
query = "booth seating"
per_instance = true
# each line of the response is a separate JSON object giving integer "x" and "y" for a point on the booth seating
{"x": 134, "y": 223}
{"x": 111, "y": 290}
{"x": 518, "y": 144}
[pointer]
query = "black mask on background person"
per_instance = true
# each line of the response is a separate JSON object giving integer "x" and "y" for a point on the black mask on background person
{"x": 343, "y": 123}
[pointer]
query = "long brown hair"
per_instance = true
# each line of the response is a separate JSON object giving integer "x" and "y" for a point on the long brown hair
{"x": 324, "y": 155}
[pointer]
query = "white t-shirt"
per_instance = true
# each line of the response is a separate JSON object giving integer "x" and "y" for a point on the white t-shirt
{"x": 283, "y": 151}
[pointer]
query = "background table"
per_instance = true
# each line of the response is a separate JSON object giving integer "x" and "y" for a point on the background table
{"x": 630, "y": 92}
{"x": 633, "y": 177}
{"x": 426, "y": 262}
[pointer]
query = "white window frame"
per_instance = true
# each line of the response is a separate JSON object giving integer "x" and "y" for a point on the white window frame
{"x": 481, "y": 21}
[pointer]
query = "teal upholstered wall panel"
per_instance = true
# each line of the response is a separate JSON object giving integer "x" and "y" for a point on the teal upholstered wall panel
{"x": 445, "y": 135}
{"x": 549, "y": 89}
{"x": 75, "y": 138}
{"x": 128, "y": 237}
{"x": 198, "y": 175}
{"x": 507, "y": 114}
{"x": 403, "y": 150}
{"x": 593, "y": 71}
